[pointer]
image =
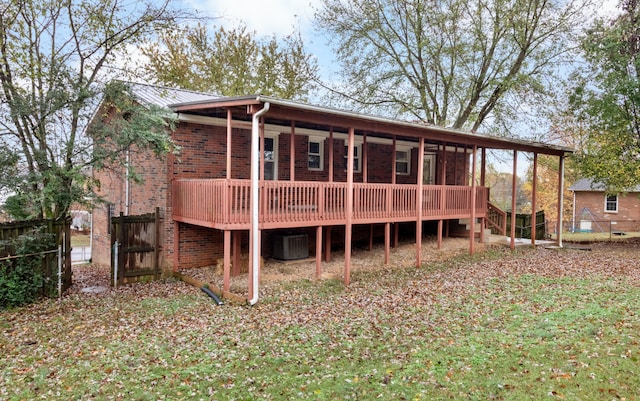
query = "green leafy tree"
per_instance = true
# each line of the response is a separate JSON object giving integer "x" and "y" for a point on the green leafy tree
{"x": 54, "y": 54}
{"x": 232, "y": 62}
{"x": 453, "y": 63}
{"x": 607, "y": 101}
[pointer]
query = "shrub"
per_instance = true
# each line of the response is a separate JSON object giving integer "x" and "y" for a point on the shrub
{"x": 25, "y": 278}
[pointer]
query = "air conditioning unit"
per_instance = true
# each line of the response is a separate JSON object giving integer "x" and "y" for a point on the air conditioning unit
{"x": 291, "y": 246}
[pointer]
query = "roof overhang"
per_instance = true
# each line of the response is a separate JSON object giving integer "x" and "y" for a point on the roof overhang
{"x": 342, "y": 119}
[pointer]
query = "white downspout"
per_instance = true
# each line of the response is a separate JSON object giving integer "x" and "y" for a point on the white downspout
{"x": 573, "y": 214}
{"x": 255, "y": 172}
{"x": 126, "y": 184}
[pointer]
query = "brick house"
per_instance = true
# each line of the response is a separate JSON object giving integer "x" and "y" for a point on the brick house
{"x": 330, "y": 176}
{"x": 596, "y": 210}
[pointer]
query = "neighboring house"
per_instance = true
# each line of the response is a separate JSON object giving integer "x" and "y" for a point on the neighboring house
{"x": 596, "y": 210}
{"x": 326, "y": 178}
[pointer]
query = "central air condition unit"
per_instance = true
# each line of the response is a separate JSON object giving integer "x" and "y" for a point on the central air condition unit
{"x": 291, "y": 246}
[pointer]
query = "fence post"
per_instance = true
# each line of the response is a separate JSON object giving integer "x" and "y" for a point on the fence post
{"x": 610, "y": 238}
{"x": 59, "y": 271}
{"x": 115, "y": 265}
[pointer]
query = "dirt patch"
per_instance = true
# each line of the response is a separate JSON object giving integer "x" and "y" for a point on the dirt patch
{"x": 275, "y": 271}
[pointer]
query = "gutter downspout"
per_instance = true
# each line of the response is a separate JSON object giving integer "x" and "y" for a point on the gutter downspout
{"x": 573, "y": 213}
{"x": 126, "y": 184}
{"x": 255, "y": 161}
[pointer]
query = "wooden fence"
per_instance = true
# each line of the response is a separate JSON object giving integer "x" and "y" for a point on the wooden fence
{"x": 61, "y": 233}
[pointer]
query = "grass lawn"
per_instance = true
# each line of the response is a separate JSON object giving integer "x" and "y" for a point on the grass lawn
{"x": 595, "y": 236}
{"x": 80, "y": 240}
{"x": 530, "y": 325}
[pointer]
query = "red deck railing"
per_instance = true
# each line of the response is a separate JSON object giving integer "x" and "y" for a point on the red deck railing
{"x": 224, "y": 204}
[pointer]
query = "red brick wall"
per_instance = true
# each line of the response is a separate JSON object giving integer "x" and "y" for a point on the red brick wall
{"x": 203, "y": 155}
{"x": 143, "y": 198}
{"x": 627, "y": 217}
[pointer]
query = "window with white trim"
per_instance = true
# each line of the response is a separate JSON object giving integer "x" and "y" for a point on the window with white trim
{"x": 357, "y": 151}
{"x": 611, "y": 203}
{"x": 403, "y": 162}
{"x": 315, "y": 154}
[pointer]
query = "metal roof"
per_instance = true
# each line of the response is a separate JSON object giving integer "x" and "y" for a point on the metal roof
{"x": 163, "y": 97}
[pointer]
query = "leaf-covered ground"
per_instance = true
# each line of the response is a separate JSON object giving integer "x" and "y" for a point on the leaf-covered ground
{"x": 534, "y": 324}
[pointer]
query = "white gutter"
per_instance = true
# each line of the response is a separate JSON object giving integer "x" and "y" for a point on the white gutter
{"x": 255, "y": 162}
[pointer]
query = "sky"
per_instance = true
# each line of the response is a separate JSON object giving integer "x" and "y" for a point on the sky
{"x": 269, "y": 17}
{"x": 279, "y": 17}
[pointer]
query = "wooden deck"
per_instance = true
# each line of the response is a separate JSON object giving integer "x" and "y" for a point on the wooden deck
{"x": 225, "y": 203}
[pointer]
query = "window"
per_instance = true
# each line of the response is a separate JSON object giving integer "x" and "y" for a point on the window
{"x": 611, "y": 203}
{"x": 357, "y": 150}
{"x": 403, "y": 162}
{"x": 316, "y": 154}
{"x": 270, "y": 157}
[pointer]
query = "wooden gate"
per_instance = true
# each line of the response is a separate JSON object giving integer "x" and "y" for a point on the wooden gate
{"x": 135, "y": 248}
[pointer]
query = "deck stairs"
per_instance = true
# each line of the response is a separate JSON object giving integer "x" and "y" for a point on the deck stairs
{"x": 466, "y": 223}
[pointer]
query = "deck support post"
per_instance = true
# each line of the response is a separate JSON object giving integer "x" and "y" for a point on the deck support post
{"x": 318, "y": 251}
{"x": 226, "y": 267}
{"x": 327, "y": 244}
{"x": 176, "y": 245}
{"x": 387, "y": 243}
{"x": 533, "y": 198}
{"x": 483, "y": 167}
{"x": 331, "y": 154}
{"x": 419, "y": 203}
{"x": 365, "y": 162}
{"x": 472, "y": 223}
{"x": 292, "y": 153}
{"x": 440, "y": 226}
{"x": 514, "y": 183}
{"x": 237, "y": 242}
{"x": 560, "y": 200}
{"x": 349, "y": 210}
{"x": 229, "y": 136}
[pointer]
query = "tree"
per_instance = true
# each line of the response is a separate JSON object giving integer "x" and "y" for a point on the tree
{"x": 232, "y": 63}
{"x": 547, "y": 187}
{"x": 449, "y": 62}
{"x": 501, "y": 184}
{"x": 53, "y": 57}
{"x": 607, "y": 101}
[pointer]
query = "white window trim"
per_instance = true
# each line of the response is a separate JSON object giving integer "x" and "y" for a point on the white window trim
{"x": 606, "y": 202}
{"x": 274, "y": 136}
{"x": 356, "y": 145}
{"x": 407, "y": 150}
{"x": 319, "y": 140}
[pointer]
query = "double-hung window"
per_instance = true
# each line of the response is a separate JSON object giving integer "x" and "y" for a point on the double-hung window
{"x": 611, "y": 203}
{"x": 315, "y": 154}
{"x": 403, "y": 162}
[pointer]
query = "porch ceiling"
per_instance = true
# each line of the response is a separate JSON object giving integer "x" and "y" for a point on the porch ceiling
{"x": 284, "y": 112}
